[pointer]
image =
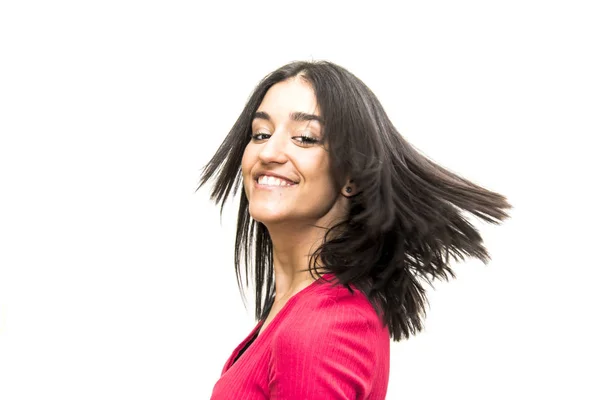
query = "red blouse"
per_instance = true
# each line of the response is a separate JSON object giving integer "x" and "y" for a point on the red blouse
{"x": 325, "y": 343}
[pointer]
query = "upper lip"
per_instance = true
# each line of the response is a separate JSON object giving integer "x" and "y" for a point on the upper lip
{"x": 273, "y": 174}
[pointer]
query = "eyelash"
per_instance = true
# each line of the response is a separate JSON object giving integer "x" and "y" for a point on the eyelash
{"x": 305, "y": 139}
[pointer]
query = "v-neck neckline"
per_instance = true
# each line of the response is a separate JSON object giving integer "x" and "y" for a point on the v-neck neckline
{"x": 254, "y": 339}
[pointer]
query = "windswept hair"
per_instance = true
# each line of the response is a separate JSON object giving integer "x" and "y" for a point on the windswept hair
{"x": 404, "y": 223}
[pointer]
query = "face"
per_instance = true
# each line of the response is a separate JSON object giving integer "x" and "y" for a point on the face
{"x": 285, "y": 167}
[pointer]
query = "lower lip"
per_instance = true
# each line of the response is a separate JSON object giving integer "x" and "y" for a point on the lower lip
{"x": 272, "y": 187}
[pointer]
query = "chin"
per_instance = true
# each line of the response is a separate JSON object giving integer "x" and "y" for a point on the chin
{"x": 266, "y": 216}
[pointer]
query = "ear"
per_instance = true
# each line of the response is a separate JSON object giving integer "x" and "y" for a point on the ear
{"x": 349, "y": 188}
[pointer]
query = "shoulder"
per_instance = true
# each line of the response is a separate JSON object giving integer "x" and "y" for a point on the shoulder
{"x": 332, "y": 319}
{"x": 332, "y": 338}
{"x": 334, "y": 308}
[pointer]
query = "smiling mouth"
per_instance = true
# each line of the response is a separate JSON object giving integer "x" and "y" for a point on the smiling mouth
{"x": 272, "y": 181}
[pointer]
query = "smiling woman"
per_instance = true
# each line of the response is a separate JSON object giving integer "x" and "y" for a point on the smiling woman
{"x": 285, "y": 169}
{"x": 340, "y": 222}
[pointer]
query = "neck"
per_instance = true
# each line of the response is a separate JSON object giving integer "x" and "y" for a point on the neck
{"x": 292, "y": 248}
{"x": 293, "y": 244}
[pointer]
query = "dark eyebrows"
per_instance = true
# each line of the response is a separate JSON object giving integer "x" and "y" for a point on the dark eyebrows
{"x": 294, "y": 116}
{"x": 301, "y": 116}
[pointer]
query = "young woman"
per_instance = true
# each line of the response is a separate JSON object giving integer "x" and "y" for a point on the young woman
{"x": 340, "y": 222}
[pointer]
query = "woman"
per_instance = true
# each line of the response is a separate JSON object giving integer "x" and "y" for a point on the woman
{"x": 340, "y": 221}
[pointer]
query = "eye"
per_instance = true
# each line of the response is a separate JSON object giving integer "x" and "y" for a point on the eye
{"x": 306, "y": 140}
{"x": 259, "y": 136}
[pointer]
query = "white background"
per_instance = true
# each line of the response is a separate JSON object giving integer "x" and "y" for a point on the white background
{"x": 116, "y": 277}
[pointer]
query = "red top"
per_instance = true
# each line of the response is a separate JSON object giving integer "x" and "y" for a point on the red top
{"x": 325, "y": 343}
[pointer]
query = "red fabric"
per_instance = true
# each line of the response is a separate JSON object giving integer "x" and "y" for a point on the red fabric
{"x": 325, "y": 343}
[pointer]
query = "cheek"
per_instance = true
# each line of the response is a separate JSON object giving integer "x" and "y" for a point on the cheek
{"x": 323, "y": 180}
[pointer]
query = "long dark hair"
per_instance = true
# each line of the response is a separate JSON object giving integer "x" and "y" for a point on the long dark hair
{"x": 404, "y": 222}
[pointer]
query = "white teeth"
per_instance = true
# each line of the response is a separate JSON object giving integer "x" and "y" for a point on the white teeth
{"x": 272, "y": 181}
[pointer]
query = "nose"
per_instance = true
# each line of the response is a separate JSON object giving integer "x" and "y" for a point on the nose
{"x": 274, "y": 149}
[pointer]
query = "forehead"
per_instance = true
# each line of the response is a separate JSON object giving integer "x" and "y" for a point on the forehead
{"x": 292, "y": 95}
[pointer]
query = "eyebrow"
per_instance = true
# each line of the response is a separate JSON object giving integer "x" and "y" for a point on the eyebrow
{"x": 294, "y": 116}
